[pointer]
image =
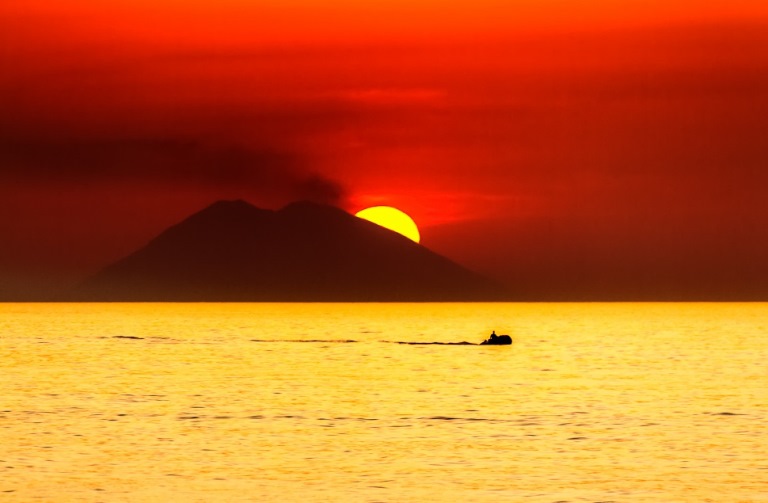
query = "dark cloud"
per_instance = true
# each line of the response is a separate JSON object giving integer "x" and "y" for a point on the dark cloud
{"x": 166, "y": 163}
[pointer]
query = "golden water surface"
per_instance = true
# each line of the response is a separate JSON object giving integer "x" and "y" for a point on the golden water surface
{"x": 317, "y": 402}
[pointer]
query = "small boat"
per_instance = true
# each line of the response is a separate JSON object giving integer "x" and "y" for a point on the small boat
{"x": 497, "y": 340}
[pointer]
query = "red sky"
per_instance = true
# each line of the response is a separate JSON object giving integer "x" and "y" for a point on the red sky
{"x": 605, "y": 149}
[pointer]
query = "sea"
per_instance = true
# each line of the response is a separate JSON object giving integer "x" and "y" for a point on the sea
{"x": 613, "y": 402}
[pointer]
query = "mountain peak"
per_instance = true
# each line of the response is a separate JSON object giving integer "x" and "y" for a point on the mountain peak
{"x": 228, "y": 207}
{"x": 234, "y": 251}
{"x": 231, "y": 203}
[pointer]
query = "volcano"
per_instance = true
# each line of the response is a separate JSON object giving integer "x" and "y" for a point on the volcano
{"x": 233, "y": 251}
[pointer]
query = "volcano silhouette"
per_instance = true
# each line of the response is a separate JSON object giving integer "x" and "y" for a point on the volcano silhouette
{"x": 233, "y": 251}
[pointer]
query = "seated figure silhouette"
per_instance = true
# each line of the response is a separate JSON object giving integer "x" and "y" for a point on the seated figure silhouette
{"x": 497, "y": 340}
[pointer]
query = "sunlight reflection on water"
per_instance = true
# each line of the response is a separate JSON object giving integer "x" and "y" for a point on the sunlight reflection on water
{"x": 220, "y": 402}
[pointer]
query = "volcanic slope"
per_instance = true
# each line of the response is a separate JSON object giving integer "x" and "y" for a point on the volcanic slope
{"x": 305, "y": 252}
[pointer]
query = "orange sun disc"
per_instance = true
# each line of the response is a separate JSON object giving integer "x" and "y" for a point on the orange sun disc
{"x": 392, "y": 219}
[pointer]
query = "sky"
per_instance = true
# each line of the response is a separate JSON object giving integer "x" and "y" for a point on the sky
{"x": 595, "y": 150}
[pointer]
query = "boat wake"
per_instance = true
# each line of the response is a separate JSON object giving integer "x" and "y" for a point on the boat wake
{"x": 346, "y": 341}
{"x": 462, "y": 343}
{"x": 324, "y": 341}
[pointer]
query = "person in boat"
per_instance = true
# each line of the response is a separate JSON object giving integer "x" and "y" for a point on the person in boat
{"x": 493, "y": 339}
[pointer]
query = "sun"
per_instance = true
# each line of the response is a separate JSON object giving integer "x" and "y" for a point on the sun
{"x": 392, "y": 219}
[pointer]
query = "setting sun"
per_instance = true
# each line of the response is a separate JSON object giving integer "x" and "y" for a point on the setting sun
{"x": 392, "y": 219}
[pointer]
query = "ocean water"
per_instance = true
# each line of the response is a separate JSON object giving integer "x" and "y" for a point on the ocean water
{"x": 318, "y": 402}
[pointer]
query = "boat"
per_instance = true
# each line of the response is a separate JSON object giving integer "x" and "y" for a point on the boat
{"x": 497, "y": 340}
